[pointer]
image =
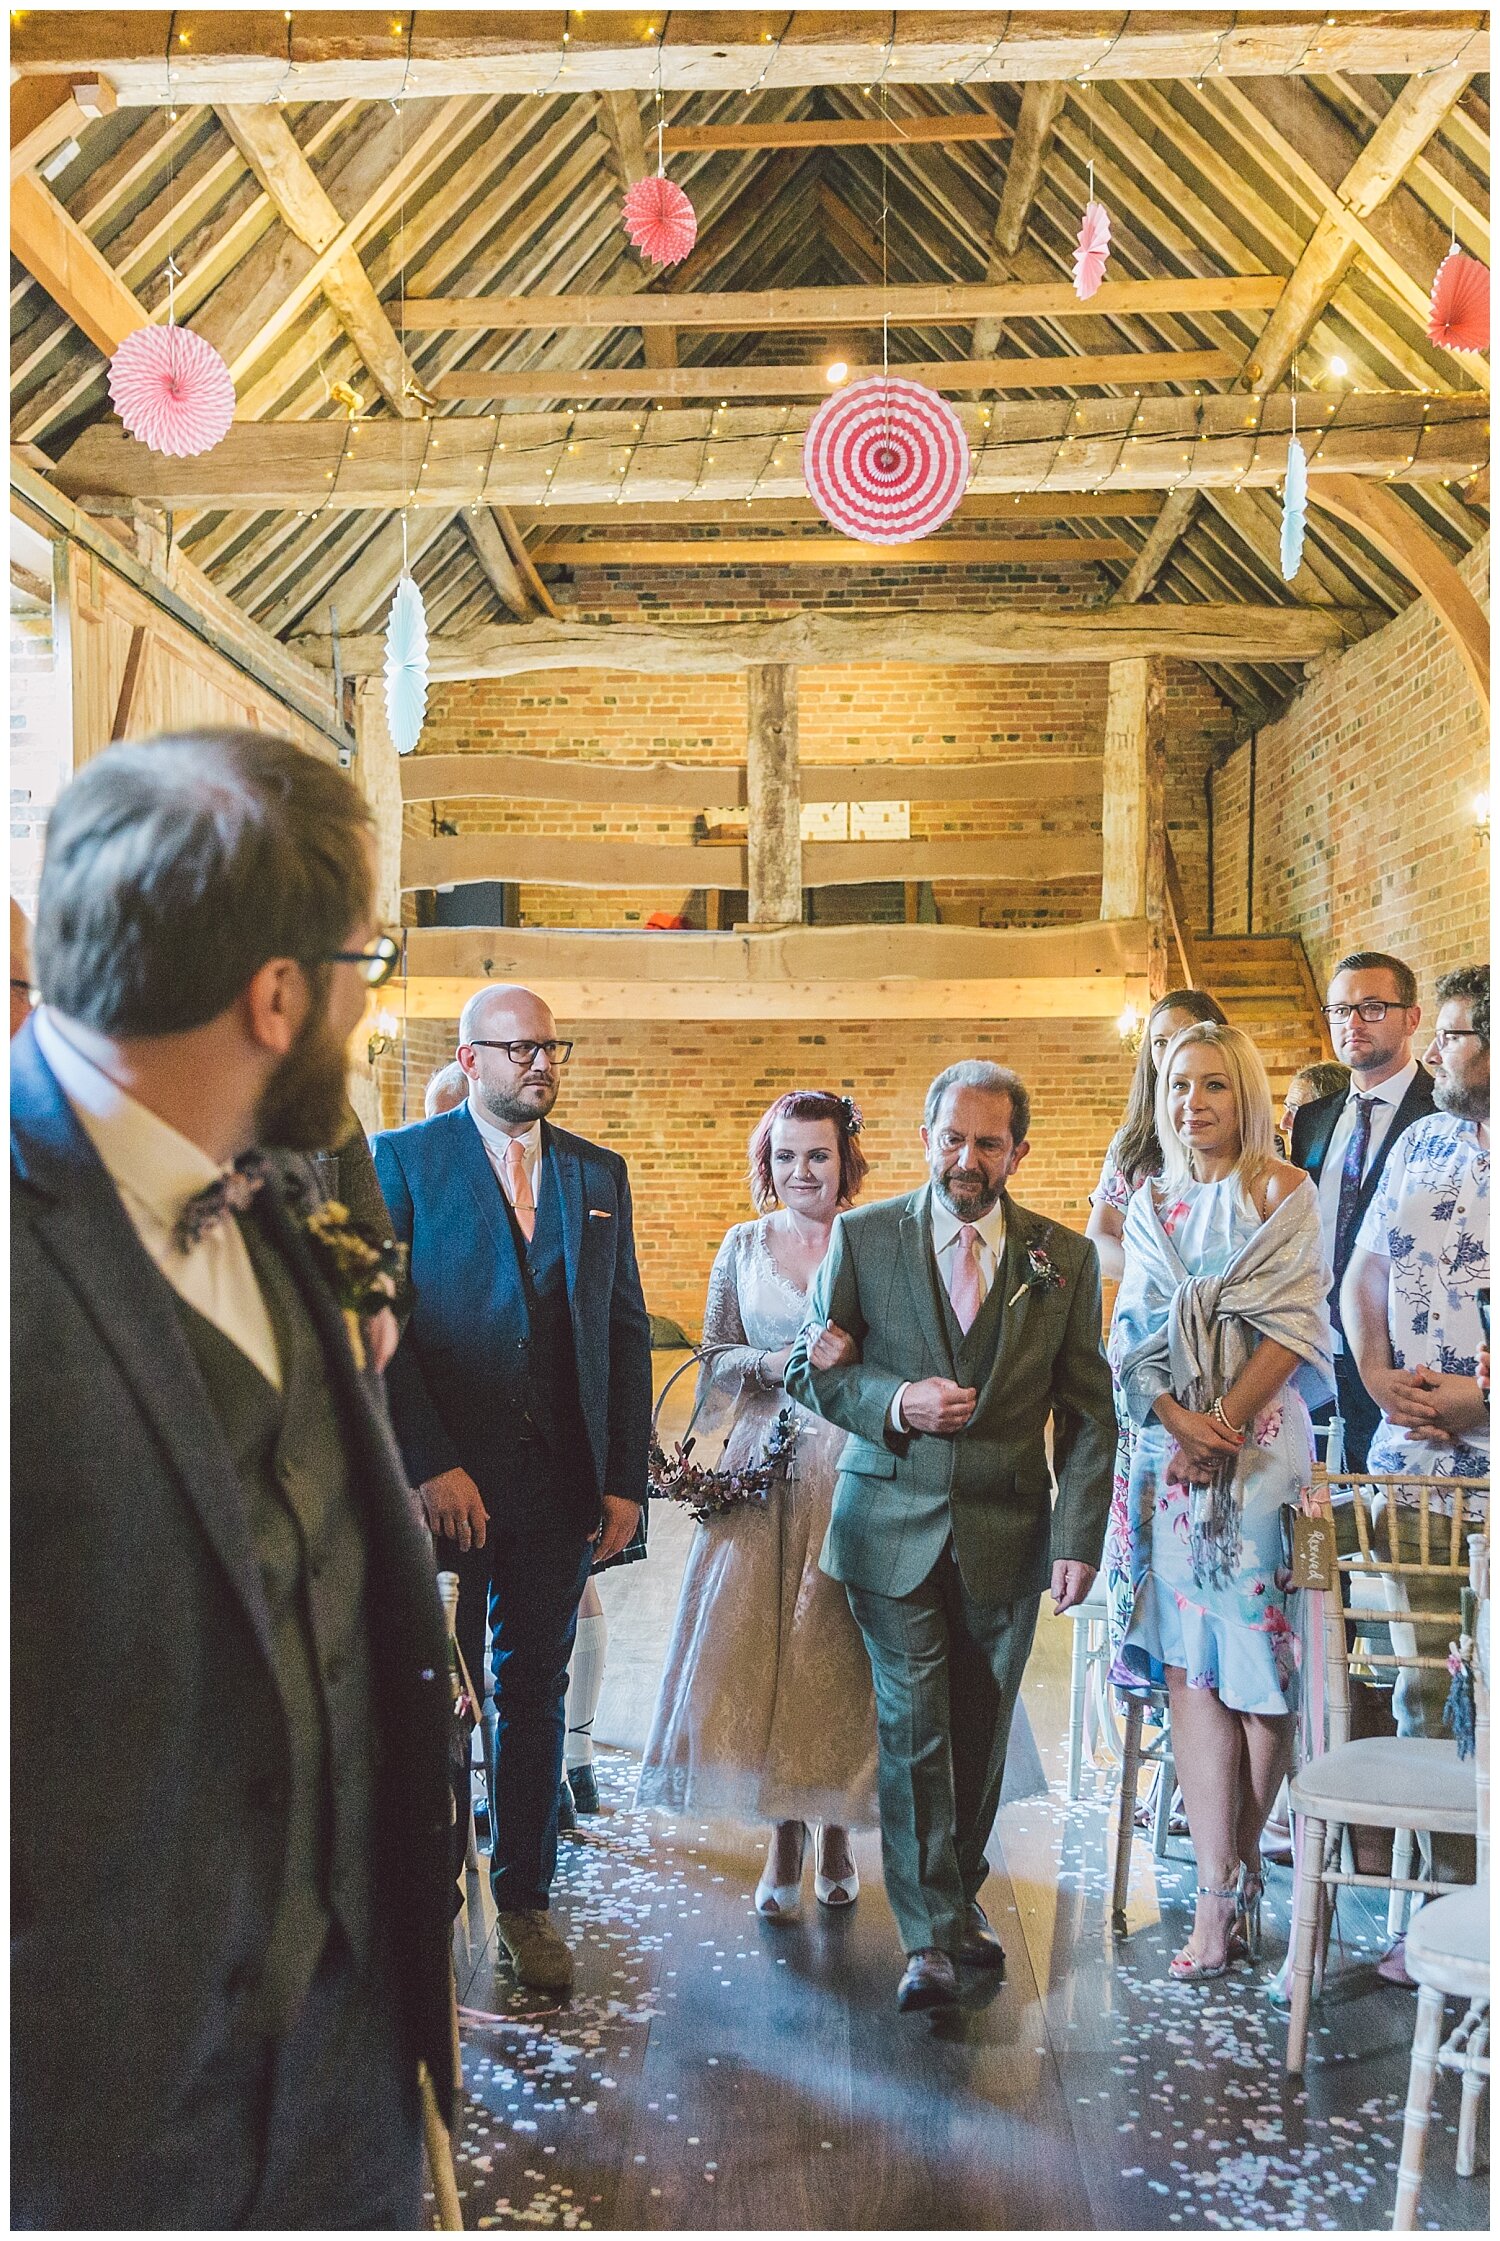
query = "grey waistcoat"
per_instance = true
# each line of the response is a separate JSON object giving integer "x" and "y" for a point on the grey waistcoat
{"x": 289, "y": 1450}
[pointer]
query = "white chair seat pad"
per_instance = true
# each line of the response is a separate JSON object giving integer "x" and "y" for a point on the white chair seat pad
{"x": 1390, "y": 1782}
{"x": 1448, "y": 1944}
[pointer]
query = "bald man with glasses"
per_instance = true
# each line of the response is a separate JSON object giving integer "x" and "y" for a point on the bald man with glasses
{"x": 521, "y": 1397}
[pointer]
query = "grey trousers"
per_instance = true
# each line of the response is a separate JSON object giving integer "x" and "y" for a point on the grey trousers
{"x": 947, "y": 1673}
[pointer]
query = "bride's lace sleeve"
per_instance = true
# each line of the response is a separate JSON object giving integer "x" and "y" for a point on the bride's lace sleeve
{"x": 728, "y": 1358}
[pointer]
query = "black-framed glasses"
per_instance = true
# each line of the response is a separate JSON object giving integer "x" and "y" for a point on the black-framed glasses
{"x": 523, "y": 1054}
{"x": 376, "y": 964}
{"x": 1371, "y": 1011}
{"x": 1449, "y": 1035}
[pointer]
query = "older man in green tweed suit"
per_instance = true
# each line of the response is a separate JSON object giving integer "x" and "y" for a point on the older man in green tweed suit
{"x": 975, "y": 1322}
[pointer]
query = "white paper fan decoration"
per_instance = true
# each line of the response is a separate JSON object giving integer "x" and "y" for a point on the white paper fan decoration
{"x": 1293, "y": 509}
{"x": 406, "y": 666}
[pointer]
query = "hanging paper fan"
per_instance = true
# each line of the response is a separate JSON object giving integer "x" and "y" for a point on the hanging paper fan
{"x": 406, "y": 667}
{"x": 1460, "y": 315}
{"x": 885, "y": 461}
{"x": 1092, "y": 254}
{"x": 660, "y": 220}
{"x": 1293, "y": 509}
{"x": 172, "y": 390}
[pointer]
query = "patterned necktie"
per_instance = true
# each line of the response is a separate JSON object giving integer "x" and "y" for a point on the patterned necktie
{"x": 964, "y": 1288}
{"x": 1350, "y": 1178}
{"x": 519, "y": 1186}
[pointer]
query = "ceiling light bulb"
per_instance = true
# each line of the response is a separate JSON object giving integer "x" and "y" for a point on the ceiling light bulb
{"x": 1338, "y": 367}
{"x": 836, "y": 373}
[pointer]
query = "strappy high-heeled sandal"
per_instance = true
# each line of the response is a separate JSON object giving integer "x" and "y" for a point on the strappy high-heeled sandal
{"x": 1246, "y": 1932}
{"x": 1184, "y": 1967}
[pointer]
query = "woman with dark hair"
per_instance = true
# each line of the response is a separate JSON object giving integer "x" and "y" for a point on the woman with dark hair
{"x": 767, "y": 1710}
{"x": 1133, "y": 1158}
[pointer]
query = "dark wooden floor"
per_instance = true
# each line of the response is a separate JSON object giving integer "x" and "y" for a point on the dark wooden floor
{"x": 711, "y": 2072}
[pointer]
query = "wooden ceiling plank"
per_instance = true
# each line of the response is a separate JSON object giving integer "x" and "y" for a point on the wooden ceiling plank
{"x": 242, "y": 55}
{"x": 799, "y": 512}
{"x": 825, "y": 552}
{"x": 837, "y": 132}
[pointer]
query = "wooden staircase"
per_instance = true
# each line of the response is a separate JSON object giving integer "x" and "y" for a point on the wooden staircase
{"x": 1265, "y": 985}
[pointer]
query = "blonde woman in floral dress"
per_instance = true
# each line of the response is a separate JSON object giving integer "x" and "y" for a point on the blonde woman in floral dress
{"x": 766, "y": 1711}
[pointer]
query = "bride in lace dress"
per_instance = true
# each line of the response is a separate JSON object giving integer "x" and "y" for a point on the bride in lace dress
{"x": 766, "y": 1710}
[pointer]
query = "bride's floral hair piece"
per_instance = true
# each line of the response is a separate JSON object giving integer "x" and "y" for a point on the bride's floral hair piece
{"x": 809, "y": 1105}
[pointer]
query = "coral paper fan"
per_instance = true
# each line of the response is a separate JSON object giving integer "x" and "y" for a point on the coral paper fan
{"x": 406, "y": 667}
{"x": 1092, "y": 254}
{"x": 1459, "y": 317}
{"x": 1293, "y": 510}
{"x": 660, "y": 221}
{"x": 172, "y": 390}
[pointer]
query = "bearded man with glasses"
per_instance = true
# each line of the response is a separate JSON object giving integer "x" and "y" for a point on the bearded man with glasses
{"x": 1344, "y": 1140}
{"x": 521, "y": 1396}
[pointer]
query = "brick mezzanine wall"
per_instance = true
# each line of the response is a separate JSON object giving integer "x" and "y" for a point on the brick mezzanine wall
{"x": 888, "y": 712}
{"x": 643, "y": 1089}
{"x": 1364, "y": 825}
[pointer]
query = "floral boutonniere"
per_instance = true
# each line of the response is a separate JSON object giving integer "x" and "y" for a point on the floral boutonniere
{"x": 1042, "y": 1274}
{"x": 364, "y": 1271}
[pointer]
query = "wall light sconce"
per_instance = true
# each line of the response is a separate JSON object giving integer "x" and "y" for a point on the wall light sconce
{"x": 1482, "y": 815}
{"x": 1130, "y": 1026}
{"x": 385, "y": 1034}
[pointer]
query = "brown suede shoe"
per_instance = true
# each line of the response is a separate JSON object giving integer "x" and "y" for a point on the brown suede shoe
{"x": 538, "y": 1953}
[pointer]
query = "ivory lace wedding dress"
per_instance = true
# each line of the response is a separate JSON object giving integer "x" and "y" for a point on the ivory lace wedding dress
{"x": 766, "y": 1710}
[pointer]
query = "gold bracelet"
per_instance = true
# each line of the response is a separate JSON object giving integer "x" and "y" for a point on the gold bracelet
{"x": 1235, "y": 1431}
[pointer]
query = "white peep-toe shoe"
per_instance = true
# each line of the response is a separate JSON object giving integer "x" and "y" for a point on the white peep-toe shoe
{"x": 833, "y": 1890}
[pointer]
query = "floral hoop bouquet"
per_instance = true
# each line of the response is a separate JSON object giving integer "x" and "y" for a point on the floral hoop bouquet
{"x": 705, "y": 1490}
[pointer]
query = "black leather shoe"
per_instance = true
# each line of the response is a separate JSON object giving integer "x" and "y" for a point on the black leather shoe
{"x": 584, "y": 1788}
{"x": 929, "y": 1981}
{"x": 567, "y": 1817}
{"x": 981, "y": 1948}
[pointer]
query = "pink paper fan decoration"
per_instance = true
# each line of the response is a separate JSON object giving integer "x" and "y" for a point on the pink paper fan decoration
{"x": 660, "y": 220}
{"x": 1460, "y": 315}
{"x": 172, "y": 390}
{"x": 1092, "y": 254}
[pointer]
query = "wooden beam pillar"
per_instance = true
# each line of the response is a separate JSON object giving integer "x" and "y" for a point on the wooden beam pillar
{"x": 1134, "y": 885}
{"x": 775, "y": 797}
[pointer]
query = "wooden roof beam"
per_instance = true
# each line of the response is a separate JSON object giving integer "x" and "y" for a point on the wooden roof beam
{"x": 1046, "y": 445}
{"x": 620, "y": 122}
{"x": 242, "y": 55}
{"x": 1172, "y": 523}
{"x": 1125, "y": 367}
{"x": 1395, "y": 533}
{"x": 946, "y": 551}
{"x": 909, "y": 306}
{"x": 1340, "y": 233}
{"x": 494, "y": 557}
{"x": 269, "y": 147}
{"x": 80, "y": 281}
{"x": 838, "y": 132}
{"x": 46, "y": 113}
{"x": 821, "y": 638}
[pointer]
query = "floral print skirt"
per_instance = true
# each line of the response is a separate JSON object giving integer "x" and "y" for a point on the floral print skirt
{"x": 1237, "y": 1637}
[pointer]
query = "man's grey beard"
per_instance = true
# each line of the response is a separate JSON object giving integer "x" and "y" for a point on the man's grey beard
{"x": 1464, "y": 1104}
{"x": 510, "y": 1109}
{"x": 962, "y": 1214}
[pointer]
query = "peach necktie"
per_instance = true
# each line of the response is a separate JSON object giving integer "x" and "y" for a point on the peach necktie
{"x": 522, "y": 1202}
{"x": 964, "y": 1288}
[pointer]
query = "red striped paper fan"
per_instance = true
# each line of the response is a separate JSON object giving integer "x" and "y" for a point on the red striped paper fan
{"x": 1459, "y": 317}
{"x": 885, "y": 460}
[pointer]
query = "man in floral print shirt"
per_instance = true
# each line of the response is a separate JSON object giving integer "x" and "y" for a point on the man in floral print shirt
{"x": 1411, "y": 1295}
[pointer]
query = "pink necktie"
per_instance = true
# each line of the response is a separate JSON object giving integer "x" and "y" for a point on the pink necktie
{"x": 963, "y": 1279}
{"x": 522, "y": 1202}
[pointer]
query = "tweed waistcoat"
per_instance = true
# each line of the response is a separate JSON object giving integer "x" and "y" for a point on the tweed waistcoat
{"x": 289, "y": 1449}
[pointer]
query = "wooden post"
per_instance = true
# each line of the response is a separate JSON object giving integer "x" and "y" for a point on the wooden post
{"x": 1135, "y": 829}
{"x": 775, "y": 797}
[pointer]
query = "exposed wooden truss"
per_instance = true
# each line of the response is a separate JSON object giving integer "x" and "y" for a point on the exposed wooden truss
{"x": 821, "y": 637}
{"x": 824, "y": 552}
{"x": 1153, "y": 443}
{"x": 243, "y": 56}
{"x": 1025, "y": 778}
{"x": 1390, "y": 528}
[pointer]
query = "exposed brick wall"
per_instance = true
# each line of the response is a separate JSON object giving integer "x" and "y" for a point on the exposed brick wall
{"x": 1364, "y": 824}
{"x": 643, "y": 1089}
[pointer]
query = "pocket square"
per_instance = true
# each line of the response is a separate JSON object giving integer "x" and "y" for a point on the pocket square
{"x": 600, "y": 1214}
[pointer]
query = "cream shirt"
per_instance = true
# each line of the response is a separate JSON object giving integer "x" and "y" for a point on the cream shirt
{"x": 156, "y": 1171}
